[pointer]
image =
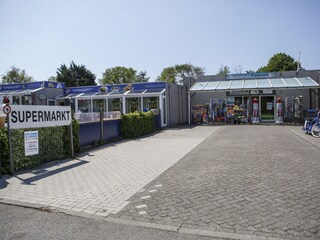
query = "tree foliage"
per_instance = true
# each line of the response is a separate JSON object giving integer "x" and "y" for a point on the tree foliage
{"x": 15, "y": 75}
{"x": 75, "y": 75}
{"x": 279, "y": 62}
{"x": 119, "y": 74}
{"x": 52, "y": 79}
{"x": 223, "y": 70}
{"x": 175, "y": 74}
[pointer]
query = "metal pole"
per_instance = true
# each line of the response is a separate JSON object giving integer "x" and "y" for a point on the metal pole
{"x": 10, "y": 146}
{"x": 101, "y": 125}
{"x": 189, "y": 108}
{"x": 71, "y": 139}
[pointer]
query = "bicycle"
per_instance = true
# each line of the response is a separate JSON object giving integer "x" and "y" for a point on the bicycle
{"x": 313, "y": 126}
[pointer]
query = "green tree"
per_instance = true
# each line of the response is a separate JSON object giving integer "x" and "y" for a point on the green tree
{"x": 279, "y": 62}
{"x": 119, "y": 74}
{"x": 175, "y": 74}
{"x": 223, "y": 70}
{"x": 15, "y": 75}
{"x": 75, "y": 75}
{"x": 52, "y": 79}
{"x": 142, "y": 76}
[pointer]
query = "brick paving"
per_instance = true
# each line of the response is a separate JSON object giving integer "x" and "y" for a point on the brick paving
{"x": 252, "y": 180}
{"x": 101, "y": 183}
{"x": 239, "y": 182}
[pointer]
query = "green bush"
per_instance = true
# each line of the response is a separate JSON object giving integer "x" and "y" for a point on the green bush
{"x": 4, "y": 150}
{"x": 54, "y": 144}
{"x": 137, "y": 124}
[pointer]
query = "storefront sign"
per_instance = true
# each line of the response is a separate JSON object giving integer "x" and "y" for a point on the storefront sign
{"x": 30, "y": 85}
{"x": 31, "y": 116}
{"x": 250, "y": 92}
{"x": 250, "y": 75}
{"x": 271, "y": 92}
{"x": 117, "y": 88}
{"x": 31, "y": 143}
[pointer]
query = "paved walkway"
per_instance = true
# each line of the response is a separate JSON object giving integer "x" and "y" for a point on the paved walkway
{"x": 251, "y": 180}
{"x": 234, "y": 182}
{"x": 102, "y": 183}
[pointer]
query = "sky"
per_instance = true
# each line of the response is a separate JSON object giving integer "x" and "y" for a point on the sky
{"x": 149, "y": 35}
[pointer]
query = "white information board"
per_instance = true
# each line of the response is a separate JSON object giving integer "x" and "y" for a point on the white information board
{"x": 37, "y": 116}
{"x": 31, "y": 143}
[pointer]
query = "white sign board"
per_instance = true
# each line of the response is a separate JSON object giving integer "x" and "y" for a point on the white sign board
{"x": 37, "y": 116}
{"x": 269, "y": 105}
{"x": 31, "y": 143}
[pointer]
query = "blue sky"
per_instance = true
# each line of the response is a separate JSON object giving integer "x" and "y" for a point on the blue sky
{"x": 40, "y": 35}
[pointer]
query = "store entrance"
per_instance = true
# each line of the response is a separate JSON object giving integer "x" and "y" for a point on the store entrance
{"x": 267, "y": 108}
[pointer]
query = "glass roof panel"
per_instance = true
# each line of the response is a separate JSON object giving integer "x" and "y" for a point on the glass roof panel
{"x": 292, "y": 82}
{"x": 223, "y": 85}
{"x": 250, "y": 83}
{"x": 211, "y": 85}
{"x": 198, "y": 86}
{"x": 308, "y": 82}
{"x": 263, "y": 83}
{"x": 236, "y": 84}
{"x": 277, "y": 83}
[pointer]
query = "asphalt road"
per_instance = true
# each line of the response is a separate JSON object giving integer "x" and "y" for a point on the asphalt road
{"x": 26, "y": 223}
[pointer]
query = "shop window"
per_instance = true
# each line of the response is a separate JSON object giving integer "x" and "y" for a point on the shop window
{"x": 114, "y": 104}
{"x": 133, "y": 104}
{"x": 84, "y": 105}
{"x": 15, "y": 100}
{"x": 97, "y": 103}
{"x": 150, "y": 103}
{"x": 26, "y": 100}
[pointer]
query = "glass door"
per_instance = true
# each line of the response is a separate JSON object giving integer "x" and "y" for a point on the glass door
{"x": 267, "y": 108}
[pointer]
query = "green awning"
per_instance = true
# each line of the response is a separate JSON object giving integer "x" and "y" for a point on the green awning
{"x": 255, "y": 84}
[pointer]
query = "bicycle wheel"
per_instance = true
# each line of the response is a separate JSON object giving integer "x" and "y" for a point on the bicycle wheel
{"x": 315, "y": 130}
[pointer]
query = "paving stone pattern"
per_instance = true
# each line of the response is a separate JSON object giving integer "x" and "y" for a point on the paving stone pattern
{"x": 256, "y": 180}
{"x": 101, "y": 183}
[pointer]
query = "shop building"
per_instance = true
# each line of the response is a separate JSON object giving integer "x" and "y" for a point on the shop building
{"x": 298, "y": 91}
{"x": 164, "y": 99}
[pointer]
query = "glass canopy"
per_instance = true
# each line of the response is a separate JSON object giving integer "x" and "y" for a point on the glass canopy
{"x": 263, "y": 83}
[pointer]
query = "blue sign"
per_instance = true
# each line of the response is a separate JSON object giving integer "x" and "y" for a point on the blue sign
{"x": 117, "y": 88}
{"x": 30, "y": 85}
{"x": 250, "y": 75}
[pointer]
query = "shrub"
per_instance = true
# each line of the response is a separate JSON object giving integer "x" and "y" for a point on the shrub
{"x": 137, "y": 124}
{"x": 54, "y": 144}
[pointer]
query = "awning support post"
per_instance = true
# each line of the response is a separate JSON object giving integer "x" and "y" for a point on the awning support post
{"x": 189, "y": 108}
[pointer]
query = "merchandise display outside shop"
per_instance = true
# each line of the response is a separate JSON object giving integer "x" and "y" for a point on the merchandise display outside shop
{"x": 283, "y": 97}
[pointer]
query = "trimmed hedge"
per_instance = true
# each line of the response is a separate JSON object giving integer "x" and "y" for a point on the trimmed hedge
{"x": 137, "y": 124}
{"x": 54, "y": 144}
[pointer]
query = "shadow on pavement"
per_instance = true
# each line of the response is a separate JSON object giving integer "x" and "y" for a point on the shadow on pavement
{"x": 3, "y": 183}
{"x": 43, "y": 173}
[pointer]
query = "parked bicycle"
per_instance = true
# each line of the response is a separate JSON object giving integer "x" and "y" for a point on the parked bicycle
{"x": 313, "y": 126}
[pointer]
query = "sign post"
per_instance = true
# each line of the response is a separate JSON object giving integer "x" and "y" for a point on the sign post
{"x": 33, "y": 116}
{"x": 7, "y": 110}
